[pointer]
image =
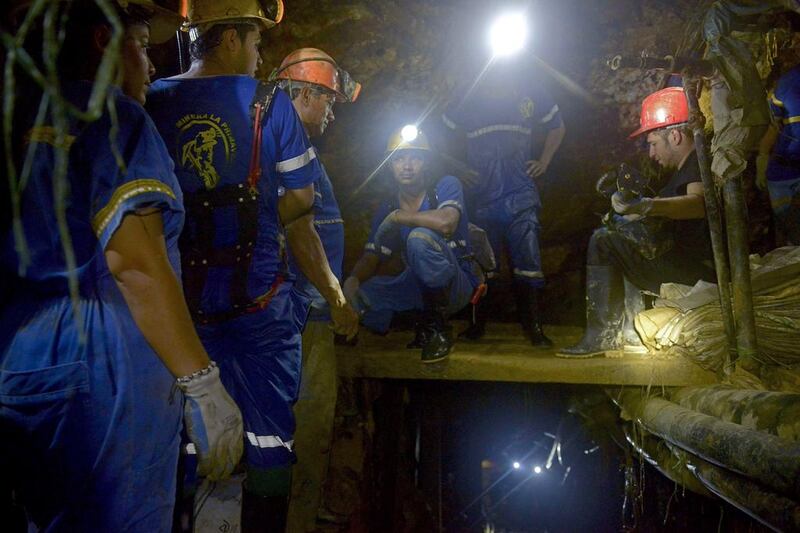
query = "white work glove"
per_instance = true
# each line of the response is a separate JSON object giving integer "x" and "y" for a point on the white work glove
{"x": 638, "y": 206}
{"x": 213, "y": 422}
{"x": 762, "y": 161}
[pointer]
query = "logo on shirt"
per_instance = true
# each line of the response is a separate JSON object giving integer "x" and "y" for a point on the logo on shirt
{"x": 526, "y": 108}
{"x": 204, "y": 140}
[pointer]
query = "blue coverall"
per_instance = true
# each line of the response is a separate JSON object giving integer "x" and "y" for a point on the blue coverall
{"x": 207, "y": 126}
{"x": 431, "y": 261}
{"x": 783, "y": 171}
{"x": 499, "y": 142}
{"x": 89, "y": 418}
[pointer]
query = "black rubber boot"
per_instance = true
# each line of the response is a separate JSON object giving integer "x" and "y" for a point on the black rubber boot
{"x": 420, "y": 336}
{"x": 634, "y": 304}
{"x": 477, "y": 325}
{"x": 534, "y": 315}
{"x": 439, "y": 333}
{"x": 264, "y": 514}
{"x": 604, "y": 314}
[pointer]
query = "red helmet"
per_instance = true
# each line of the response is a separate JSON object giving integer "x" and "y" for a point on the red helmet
{"x": 667, "y": 107}
{"x": 312, "y": 65}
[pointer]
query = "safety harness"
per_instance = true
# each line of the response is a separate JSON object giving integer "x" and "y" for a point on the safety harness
{"x": 198, "y": 253}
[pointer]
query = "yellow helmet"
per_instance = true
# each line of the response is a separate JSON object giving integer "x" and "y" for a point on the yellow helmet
{"x": 408, "y": 138}
{"x": 202, "y": 12}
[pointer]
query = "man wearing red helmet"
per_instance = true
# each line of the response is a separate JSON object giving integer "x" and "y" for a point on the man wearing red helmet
{"x": 313, "y": 81}
{"x": 615, "y": 263}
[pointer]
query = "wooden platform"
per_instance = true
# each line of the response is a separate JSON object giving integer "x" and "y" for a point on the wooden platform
{"x": 505, "y": 355}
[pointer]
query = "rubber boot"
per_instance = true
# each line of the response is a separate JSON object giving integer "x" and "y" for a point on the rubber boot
{"x": 604, "y": 314}
{"x": 634, "y": 304}
{"x": 439, "y": 333}
{"x": 264, "y": 514}
{"x": 477, "y": 326}
{"x": 420, "y": 336}
{"x": 538, "y": 339}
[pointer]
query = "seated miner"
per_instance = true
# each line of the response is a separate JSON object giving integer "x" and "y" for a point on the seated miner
{"x": 425, "y": 223}
{"x": 683, "y": 254}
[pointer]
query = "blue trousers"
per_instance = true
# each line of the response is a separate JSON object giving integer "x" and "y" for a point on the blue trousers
{"x": 513, "y": 220}
{"x": 90, "y": 426}
{"x": 259, "y": 363}
{"x": 785, "y": 199}
{"x": 430, "y": 263}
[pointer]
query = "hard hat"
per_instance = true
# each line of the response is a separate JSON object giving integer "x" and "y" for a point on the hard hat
{"x": 162, "y": 22}
{"x": 667, "y": 107}
{"x": 312, "y": 65}
{"x": 398, "y": 142}
{"x": 267, "y": 13}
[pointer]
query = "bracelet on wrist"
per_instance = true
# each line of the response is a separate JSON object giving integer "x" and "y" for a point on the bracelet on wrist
{"x": 198, "y": 373}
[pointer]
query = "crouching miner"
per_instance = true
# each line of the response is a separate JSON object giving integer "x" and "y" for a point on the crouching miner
{"x": 616, "y": 264}
{"x": 426, "y": 223}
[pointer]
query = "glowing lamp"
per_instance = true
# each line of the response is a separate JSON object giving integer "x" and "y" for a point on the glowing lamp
{"x": 409, "y": 133}
{"x": 516, "y": 465}
{"x": 507, "y": 34}
{"x": 537, "y": 469}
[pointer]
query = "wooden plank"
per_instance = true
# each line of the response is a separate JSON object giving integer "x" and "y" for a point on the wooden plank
{"x": 505, "y": 355}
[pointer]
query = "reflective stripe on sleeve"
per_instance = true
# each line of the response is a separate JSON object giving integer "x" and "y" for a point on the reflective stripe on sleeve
{"x": 548, "y": 117}
{"x": 774, "y": 99}
{"x": 297, "y": 162}
{"x": 125, "y": 192}
{"x": 451, "y": 203}
{"x": 791, "y": 120}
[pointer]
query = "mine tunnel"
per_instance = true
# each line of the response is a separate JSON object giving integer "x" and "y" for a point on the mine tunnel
{"x": 400, "y": 266}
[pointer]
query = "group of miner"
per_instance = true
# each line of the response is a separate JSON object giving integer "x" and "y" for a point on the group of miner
{"x": 170, "y": 306}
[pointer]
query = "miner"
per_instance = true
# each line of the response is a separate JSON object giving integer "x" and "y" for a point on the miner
{"x": 94, "y": 329}
{"x": 500, "y": 118}
{"x": 314, "y": 82}
{"x": 424, "y": 221}
{"x": 685, "y": 256}
{"x": 246, "y": 168}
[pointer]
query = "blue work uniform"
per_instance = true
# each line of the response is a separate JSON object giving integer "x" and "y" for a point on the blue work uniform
{"x": 783, "y": 171}
{"x": 431, "y": 261}
{"x": 235, "y": 271}
{"x": 330, "y": 227}
{"x": 499, "y": 131}
{"x": 89, "y": 419}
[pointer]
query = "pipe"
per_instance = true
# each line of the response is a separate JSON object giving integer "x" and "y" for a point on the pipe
{"x": 776, "y": 413}
{"x": 715, "y": 225}
{"x": 739, "y": 252}
{"x": 777, "y": 512}
{"x": 765, "y": 458}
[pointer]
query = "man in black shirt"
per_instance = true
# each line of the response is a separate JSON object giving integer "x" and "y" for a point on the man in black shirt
{"x": 617, "y": 269}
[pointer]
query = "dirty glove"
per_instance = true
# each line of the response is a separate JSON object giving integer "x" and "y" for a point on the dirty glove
{"x": 213, "y": 422}
{"x": 386, "y": 230}
{"x": 345, "y": 319}
{"x": 762, "y": 161}
{"x": 637, "y": 206}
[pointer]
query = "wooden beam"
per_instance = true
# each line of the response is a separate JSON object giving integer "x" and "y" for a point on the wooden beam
{"x": 505, "y": 355}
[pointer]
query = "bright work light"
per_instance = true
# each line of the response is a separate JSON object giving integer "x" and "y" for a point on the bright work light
{"x": 537, "y": 469}
{"x": 516, "y": 465}
{"x": 507, "y": 34}
{"x": 409, "y": 133}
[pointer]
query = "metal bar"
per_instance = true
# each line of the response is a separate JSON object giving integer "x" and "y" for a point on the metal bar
{"x": 715, "y": 226}
{"x": 739, "y": 252}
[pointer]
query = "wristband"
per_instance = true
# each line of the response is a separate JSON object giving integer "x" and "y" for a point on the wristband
{"x": 185, "y": 380}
